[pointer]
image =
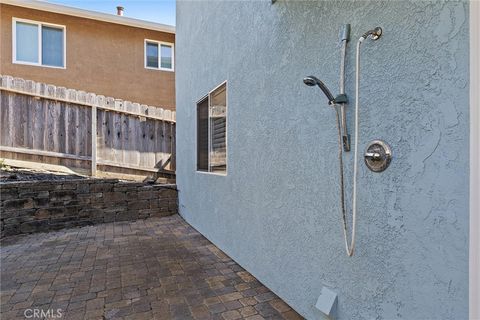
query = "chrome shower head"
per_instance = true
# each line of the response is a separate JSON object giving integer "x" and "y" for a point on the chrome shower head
{"x": 313, "y": 81}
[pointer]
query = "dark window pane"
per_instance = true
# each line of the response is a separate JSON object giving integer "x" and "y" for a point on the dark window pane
{"x": 202, "y": 135}
{"x": 52, "y": 46}
{"x": 152, "y": 55}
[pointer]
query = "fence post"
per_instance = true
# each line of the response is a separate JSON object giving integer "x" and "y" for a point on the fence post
{"x": 94, "y": 140}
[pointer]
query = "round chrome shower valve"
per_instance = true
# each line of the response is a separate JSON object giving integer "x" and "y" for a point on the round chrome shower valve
{"x": 378, "y": 156}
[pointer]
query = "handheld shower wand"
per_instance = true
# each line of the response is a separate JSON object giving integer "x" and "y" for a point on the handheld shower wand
{"x": 314, "y": 81}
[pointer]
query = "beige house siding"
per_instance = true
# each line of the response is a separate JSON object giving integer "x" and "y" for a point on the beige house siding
{"x": 101, "y": 57}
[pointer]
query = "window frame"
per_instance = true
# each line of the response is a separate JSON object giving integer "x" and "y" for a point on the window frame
{"x": 159, "y": 43}
{"x": 39, "y": 25}
{"x": 207, "y": 96}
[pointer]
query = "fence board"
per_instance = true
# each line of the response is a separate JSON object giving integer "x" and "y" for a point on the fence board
{"x": 127, "y": 131}
{"x": 83, "y": 126}
{"x": 100, "y": 134}
{"x": 117, "y": 137}
{"x": 11, "y": 116}
{"x": 158, "y": 145}
{"x": 172, "y": 146}
{"x": 50, "y": 120}
{"x": 4, "y": 115}
{"x": 39, "y": 121}
{"x": 134, "y": 135}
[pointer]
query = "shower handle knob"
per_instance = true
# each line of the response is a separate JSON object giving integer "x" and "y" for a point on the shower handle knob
{"x": 378, "y": 156}
{"x": 374, "y": 156}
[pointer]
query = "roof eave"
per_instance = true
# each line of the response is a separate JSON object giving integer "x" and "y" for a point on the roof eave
{"x": 88, "y": 14}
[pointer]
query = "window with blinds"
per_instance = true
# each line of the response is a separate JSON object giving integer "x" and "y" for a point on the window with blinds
{"x": 212, "y": 131}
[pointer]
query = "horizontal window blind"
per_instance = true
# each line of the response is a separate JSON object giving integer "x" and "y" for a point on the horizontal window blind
{"x": 218, "y": 126}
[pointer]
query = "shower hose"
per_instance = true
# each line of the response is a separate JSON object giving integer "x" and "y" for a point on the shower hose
{"x": 350, "y": 247}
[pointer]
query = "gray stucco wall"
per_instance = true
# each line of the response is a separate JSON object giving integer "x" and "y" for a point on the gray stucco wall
{"x": 277, "y": 211}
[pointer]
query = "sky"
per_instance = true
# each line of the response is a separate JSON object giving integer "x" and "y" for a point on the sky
{"x": 161, "y": 11}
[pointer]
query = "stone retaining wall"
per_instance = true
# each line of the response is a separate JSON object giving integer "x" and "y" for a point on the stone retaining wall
{"x": 38, "y": 206}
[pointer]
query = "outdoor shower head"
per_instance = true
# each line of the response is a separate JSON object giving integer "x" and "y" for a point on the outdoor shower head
{"x": 314, "y": 81}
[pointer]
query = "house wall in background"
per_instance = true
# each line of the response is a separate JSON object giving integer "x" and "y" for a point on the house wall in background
{"x": 102, "y": 57}
{"x": 277, "y": 210}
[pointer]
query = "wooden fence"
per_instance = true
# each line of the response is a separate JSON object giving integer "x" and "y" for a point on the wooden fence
{"x": 53, "y": 125}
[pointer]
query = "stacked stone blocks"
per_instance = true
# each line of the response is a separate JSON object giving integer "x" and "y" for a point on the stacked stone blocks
{"x": 39, "y": 206}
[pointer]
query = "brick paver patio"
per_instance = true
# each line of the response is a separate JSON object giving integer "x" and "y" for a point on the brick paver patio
{"x": 159, "y": 268}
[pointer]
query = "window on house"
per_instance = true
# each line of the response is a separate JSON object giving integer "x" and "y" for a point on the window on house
{"x": 38, "y": 43}
{"x": 158, "y": 55}
{"x": 212, "y": 131}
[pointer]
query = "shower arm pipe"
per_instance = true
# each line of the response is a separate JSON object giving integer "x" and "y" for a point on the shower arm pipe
{"x": 344, "y": 38}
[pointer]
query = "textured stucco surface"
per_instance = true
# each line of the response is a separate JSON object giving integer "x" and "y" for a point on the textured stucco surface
{"x": 277, "y": 211}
